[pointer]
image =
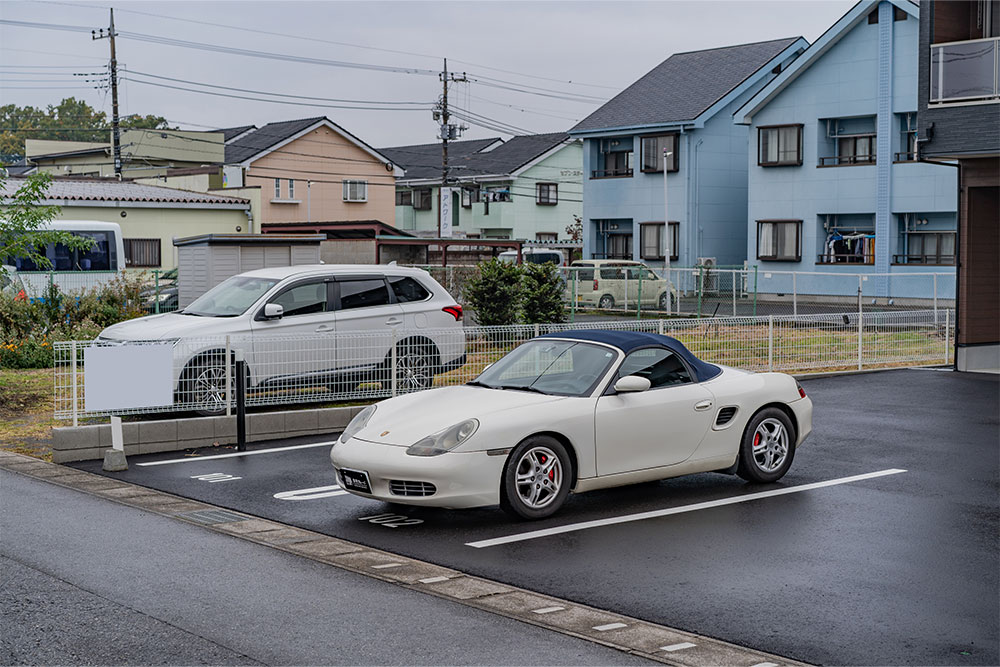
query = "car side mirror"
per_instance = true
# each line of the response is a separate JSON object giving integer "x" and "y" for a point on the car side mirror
{"x": 632, "y": 383}
{"x": 273, "y": 311}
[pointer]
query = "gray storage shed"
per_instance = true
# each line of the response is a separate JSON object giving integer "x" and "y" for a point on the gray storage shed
{"x": 205, "y": 261}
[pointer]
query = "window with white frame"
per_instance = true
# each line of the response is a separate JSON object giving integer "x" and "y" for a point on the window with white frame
{"x": 277, "y": 188}
{"x": 652, "y": 153}
{"x": 779, "y": 240}
{"x": 291, "y": 188}
{"x": 652, "y": 240}
{"x": 356, "y": 191}
{"x": 547, "y": 193}
{"x": 779, "y": 146}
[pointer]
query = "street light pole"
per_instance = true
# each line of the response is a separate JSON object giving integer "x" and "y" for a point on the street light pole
{"x": 666, "y": 227}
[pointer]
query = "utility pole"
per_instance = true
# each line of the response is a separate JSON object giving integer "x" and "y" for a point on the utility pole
{"x": 115, "y": 129}
{"x": 447, "y": 130}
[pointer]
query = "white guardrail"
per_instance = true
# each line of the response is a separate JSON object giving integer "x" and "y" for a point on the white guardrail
{"x": 376, "y": 364}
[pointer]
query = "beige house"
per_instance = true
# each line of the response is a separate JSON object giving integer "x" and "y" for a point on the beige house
{"x": 151, "y": 217}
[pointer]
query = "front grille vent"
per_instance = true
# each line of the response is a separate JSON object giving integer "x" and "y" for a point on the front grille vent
{"x": 725, "y": 416}
{"x": 407, "y": 488}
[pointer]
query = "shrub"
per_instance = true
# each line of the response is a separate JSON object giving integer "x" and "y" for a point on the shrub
{"x": 495, "y": 293}
{"x": 542, "y": 294}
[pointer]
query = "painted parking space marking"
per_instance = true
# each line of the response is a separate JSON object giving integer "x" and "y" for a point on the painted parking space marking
{"x": 233, "y": 455}
{"x": 609, "y": 626}
{"x": 548, "y": 610}
{"x": 433, "y": 580}
{"x": 585, "y": 525}
{"x": 386, "y": 566}
{"x": 766, "y": 664}
{"x": 216, "y": 477}
{"x": 314, "y": 493}
{"x": 679, "y": 647}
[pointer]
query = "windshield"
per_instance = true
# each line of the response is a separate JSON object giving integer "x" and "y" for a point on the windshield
{"x": 230, "y": 298}
{"x": 562, "y": 368}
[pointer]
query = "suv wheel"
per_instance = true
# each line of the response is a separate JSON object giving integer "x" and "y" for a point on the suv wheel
{"x": 607, "y": 301}
{"x": 415, "y": 365}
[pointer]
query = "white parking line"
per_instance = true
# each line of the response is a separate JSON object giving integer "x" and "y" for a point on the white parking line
{"x": 678, "y": 647}
{"x": 584, "y": 525}
{"x": 273, "y": 450}
{"x": 609, "y": 626}
{"x": 433, "y": 580}
{"x": 547, "y": 610}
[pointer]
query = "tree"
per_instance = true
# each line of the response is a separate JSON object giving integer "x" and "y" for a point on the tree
{"x": 543, "y": 294}
{"x": 70, "y": 120}
{"x": 495, "y": 293}
{"x": 21, "y": 218}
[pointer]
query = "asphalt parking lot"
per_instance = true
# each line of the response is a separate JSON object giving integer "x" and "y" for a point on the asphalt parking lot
{"x": 879, "y": 547}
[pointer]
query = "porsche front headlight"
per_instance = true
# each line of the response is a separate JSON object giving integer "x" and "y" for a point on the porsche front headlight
{"x": 444, "y": 441}
{"x": 359, "y": 422}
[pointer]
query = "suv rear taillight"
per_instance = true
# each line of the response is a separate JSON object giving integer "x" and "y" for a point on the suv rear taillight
{"x": 595, "y": 284}
{"x": 455, "y": 311}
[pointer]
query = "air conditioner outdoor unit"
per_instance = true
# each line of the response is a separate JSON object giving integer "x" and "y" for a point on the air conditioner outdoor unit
{"x": 707, "y": 262}
{"x": 707, "y": 275}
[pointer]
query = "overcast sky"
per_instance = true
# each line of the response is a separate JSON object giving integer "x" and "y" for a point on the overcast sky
{"x": 550, "y": 51}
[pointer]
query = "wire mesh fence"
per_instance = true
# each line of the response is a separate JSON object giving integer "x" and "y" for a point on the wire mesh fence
{"x": 153, "y": 291}
{"x": 375, "y": 364}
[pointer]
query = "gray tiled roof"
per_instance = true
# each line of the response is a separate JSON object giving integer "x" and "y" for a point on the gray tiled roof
{"x": 230, "y": 132}
{"x": 114, "y": 190}
{"x": 424, "y": 160}
{"x": 683, "y": 86}
{"x": 465, "y": 158}
{"x": 265, "y": 137}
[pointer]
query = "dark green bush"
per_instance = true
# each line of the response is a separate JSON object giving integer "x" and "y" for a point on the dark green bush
{"x": 495, "y": 293}
{"x": 542, "y": 295}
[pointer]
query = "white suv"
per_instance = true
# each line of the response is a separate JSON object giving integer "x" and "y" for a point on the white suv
{"x": 308, "y": 327}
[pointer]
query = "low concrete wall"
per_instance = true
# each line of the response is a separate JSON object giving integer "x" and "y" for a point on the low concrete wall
{"x": 83, "y": 443}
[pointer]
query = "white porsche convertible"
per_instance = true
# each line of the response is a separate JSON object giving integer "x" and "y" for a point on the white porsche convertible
{"x": 573, "y": 411}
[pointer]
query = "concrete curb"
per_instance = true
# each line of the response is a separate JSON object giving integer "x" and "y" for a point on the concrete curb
{"x": 630, "y": 635}
{"x": 85, "y": 443}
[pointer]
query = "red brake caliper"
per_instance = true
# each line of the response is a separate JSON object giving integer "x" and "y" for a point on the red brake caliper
{"x": 756, "y": 439}
{"x": 552, "y": 473}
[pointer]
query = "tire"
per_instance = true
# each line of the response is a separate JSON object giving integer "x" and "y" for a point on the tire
{"x": 544, "y": 470}
{"x": 204, "y": 382}
{"x": 773, "y": 434}
{"x": 662, "y": 301}
{"x": 607, "y": 302}
{"x": 415, "y": 365}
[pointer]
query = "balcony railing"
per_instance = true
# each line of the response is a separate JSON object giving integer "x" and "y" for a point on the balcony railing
{"x": 905, "y": 157}
{"x": 840, "y": 160}
{"x": 941, "y": 260}
{"x": 965, "y": 71}
{"x": 610, "y": 173}
{"x": 850, "y": 258}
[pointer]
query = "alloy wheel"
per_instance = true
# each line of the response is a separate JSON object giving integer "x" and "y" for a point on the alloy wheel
{"x": 770, "y": 445}
{"x": 538, "y": 477}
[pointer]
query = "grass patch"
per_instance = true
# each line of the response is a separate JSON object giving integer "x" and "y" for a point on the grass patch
{"x": 26, "y": 406}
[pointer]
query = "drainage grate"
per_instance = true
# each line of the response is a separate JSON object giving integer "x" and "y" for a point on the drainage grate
{"x": 209, "y": 517}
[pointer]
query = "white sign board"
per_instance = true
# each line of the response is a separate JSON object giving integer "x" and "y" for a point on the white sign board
{"x": 445, "y": 211}
{"x": 130, "y": 376}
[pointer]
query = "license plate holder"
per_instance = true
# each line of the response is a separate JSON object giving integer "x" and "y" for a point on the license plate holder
{"x": 355, "y": 480}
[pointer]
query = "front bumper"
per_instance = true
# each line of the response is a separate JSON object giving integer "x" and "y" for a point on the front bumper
{"x": 461, "y": 479}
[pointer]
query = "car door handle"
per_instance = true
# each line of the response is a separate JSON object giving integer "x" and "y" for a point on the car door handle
{"x": 393, "y": 321}
{"x": 324, "y": 327}
{"x": 702, "y": 405}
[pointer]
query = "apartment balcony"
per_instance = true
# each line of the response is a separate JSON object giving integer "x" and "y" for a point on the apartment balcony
{"x": 965, "y": 71}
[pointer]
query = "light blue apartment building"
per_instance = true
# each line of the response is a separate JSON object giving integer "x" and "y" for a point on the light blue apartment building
{"x": 684, "y": 105}
{"x": 834, "y": 182}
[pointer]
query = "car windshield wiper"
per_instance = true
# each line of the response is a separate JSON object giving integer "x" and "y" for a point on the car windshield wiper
{"x": 477, "y": 383}
{"x": 523, "y": 387}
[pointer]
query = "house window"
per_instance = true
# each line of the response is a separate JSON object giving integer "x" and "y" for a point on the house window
{"x": 780, "y": 145}
{"x": 469, "y": 197}
{"x": 356, "y": 191}
{"x": 404, "y": 197}
{"x": 779, "y": 240}
{"x": 548, "y": 238}
{"x": 291, "y": 188}
{"x": 142, "y": 253}
{"x": 277, "y": 188}
{"x": 614, "y": 158}
{"x": 652, "y": 153}
{"x": 619, "y": 246}
{"x": 547, "y": 193}
{"x": 422, "y": 199}
{"x": 848, "y": 141}
{"x": 928, "y": 248}
{"x": 907, "y": 138}
{"x": 651, "y": 243}
{"x": 856, "y": 150}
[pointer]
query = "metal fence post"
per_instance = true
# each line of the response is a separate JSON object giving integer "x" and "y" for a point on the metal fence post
{"x": 156, "y": 300}
{"x": 734, "y": 292}
{"x": 795, "y": 294}
{"x": 755, "y": 290}
{"x": 229, "y": 379}
{"x": 572, "y": 304}
{"x": 72, "y": 348}
{"x": 241, "y": 402}
{"x": 638, "y": 303}
{"x": 536, "y": 330}
{"x": 394, "y": 353}
{"x": 935, "y": 300}
{"x": 659, "y": 327}
{"x": 947, "y": 334}
{"x": 770, "y": 342}
{"x": 701, "y": 285}
{"x": 860, "y": 332}
{"x": 859, "y": 296}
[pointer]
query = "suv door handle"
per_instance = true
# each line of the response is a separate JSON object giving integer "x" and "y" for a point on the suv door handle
{"x": 703, "y": 405}
{"x": 324, "y": 327}
{"x": 393, "y": 321}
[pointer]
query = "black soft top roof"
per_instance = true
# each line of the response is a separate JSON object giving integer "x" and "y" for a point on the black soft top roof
{"x": 627, "y": 341}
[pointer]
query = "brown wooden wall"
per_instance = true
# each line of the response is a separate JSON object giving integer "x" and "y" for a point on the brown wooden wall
{"x": 979, "y": 242}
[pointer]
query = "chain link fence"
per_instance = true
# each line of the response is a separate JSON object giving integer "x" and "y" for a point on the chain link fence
{"x": 153, "y": 291}
{"x": 376, "y": 364}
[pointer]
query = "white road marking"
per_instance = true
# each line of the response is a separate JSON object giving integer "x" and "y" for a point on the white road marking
{"x": 272, "y": 450}
{"x": 584, "y": 525}
{"x": 609, "y": 626}
{"x": 311, "y": 494}
{"x": 215, "y": 477}
{"x": 433, "y": 580}
{"x": 766, "y": 664}
{"x": 547, "y": 610}
{"x": 386, "y": 566}
{"x": 679, "y": 647}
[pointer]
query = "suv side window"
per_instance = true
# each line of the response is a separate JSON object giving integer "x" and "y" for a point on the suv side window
{"x": 363, "y": 293}
{"x": 661, "y": 367}
{"x": 613, "y": 273}
{"x": 583, "y": 271}
{"x": 407, "y": 289}
{"x": 304, "y": 299}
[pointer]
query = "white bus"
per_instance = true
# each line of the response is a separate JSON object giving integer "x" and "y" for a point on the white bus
{"x": 74, "y": 270}
{"x": 534, "y": 256}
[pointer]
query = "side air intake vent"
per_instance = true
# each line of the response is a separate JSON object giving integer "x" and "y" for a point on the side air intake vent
{"x": 407, "y": 488}
{"x": 725, "y": 416}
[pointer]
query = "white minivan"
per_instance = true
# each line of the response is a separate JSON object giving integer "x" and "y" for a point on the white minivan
{"x": 534, "y": 256}
{"x": 307, "y": 328}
